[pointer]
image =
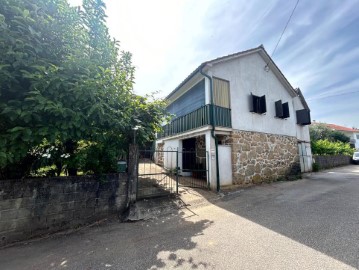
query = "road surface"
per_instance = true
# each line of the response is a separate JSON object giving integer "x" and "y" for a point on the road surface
{"x": 311, "y": 223}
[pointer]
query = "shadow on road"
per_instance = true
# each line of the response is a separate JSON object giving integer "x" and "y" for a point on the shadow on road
{"x": 150, "y": 244}
{"x": 321, "y": 212}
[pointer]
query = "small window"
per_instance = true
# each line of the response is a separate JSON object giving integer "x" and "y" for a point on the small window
{"x": 303, "y": 117}
{"x": 281, "y": 109}
{"x": 358, "y": 136}
{"x": 257, "y": 104}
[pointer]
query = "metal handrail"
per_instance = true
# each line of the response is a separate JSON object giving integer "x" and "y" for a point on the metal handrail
{"x": 196, "y": 119}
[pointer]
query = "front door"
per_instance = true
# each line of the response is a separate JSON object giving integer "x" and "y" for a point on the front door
{"x": 189, "y": 154}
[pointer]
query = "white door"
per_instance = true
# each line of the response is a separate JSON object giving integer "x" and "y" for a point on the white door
{"x": 225, "y": 164}
{"x": 305, "y": 157}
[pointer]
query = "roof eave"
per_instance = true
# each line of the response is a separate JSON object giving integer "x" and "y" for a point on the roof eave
{"x": 201, "y": 66}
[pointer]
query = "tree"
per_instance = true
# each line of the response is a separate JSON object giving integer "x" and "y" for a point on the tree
{"x": 325, "y": 141}
{"x": 322, "y": 132}
{"x": 62, "y": 79}
{"x": 338, "y": 136}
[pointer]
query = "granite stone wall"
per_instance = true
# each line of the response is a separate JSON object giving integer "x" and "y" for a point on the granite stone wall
{"x": 33, "y": 207}
{"x": 160, "y": 154}
{"x": 260, "y": 157}
{"x": 201, "y": 150}
{"x": 326, "y": 162}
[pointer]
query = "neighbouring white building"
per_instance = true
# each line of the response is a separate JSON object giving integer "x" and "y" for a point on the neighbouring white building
{"x": 352, "y": 133}
{"x": 242, "y": 119}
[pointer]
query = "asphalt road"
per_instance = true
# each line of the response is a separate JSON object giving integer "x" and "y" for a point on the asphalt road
{"x": 312, "y": 223}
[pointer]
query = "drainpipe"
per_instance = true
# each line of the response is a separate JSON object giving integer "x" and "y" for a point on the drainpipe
{"x": 213, "y": 125}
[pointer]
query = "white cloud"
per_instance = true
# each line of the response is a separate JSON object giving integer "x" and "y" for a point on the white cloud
{"x": 169, "y": 39}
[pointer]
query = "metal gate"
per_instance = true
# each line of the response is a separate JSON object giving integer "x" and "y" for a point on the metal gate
{"x": 160, "y": 173}
{"x": 154, "y": 179}
{"x": 193, "y": 171}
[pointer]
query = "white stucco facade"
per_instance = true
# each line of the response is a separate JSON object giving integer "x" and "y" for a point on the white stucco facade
{"x": 354, "y": 138}
{"x": 246, "y": 74}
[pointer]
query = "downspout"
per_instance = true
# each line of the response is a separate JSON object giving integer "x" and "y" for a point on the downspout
{"x": 213, "y": 125}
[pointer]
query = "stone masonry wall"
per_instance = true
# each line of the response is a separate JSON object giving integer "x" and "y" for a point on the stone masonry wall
{"x": 160, "y": 154}
{"x": 201, "y": 150}
{"x": 33, "y": 207}
{"x": 260, "y": 157}
{"x": 326, "y": 162}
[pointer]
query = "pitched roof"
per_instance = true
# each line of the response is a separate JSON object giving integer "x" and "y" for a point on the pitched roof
{"x": 302, "y": 99}
{"x": 208, "y": 62}
{"x": 341, "y": 128}
{"x": 269, "y": 60}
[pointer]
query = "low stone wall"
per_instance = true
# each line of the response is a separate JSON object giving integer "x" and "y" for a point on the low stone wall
{"x": 260, "y": 157}
{"x": 32, "y": 207}
{"x": 326, "y": 162}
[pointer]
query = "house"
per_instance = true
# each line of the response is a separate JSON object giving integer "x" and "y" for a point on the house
{"x": 241, "y": 118}
{"x": 352, "y": 133}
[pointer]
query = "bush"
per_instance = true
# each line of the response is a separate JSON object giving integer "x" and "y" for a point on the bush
{"x": 100, "y": 158}
{"x": 326, "y": 147}
{"x": 322, "y": 132}
{"x": 315, "y": 167}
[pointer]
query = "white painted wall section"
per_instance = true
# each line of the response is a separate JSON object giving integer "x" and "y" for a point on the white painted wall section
{"x": 170, "y": 158}
{"x": 302, "y": 132}
{"x": 225, "y": 165}
{"x": 247, "y": 75}
{"x": 211, "y": 148}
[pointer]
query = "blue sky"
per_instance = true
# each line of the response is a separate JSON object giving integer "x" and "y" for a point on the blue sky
{"x": 319, "y": 51}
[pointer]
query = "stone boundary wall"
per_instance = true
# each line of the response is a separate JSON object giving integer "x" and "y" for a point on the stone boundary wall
{"x": 326, "y": 162}
{"x": 261, "y": 157}
{"x": 32, "y": 207}
{"x": 160, "y": 155}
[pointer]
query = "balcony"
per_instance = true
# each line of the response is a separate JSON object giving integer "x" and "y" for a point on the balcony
{"x": 196, "y": 119}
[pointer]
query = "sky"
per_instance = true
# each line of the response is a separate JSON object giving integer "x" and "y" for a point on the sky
{"x": 319, "y": 51}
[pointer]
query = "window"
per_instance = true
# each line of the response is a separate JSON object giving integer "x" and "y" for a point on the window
{"x": 357, "y": 136}
{"x": 257, "y": 104}
{"x": 303, "y": 117}
{"x": 221, "y": 93}
{"x": 281, "y": 109}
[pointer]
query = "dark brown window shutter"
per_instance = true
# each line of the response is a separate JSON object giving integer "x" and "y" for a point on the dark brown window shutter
{"x": 303, "y": 117}
{"x": 257, "y": 104}
{"x": 263, "y": 106}
{"x": 278, "y": 109}
{"x": 285, "y": 110}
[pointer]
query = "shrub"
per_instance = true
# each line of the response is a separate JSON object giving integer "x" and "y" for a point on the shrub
{"x": 322, "y": 132}
{"x": 326, "y": 147}
{"x": 315, "y": 167}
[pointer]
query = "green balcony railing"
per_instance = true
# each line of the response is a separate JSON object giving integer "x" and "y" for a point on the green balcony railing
{"x": 196, "y": 119}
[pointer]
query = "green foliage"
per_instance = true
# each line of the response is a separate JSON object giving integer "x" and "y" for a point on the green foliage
{"x": 326, "y": 147}
{"x": 101, "y": 157}
{"x": 322, "y": 132}
{"x": 325, "y": 141}
{"x": 63, "y": 80}
{"x": 316, "y": 167}
{"x": 339, "y": 136}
